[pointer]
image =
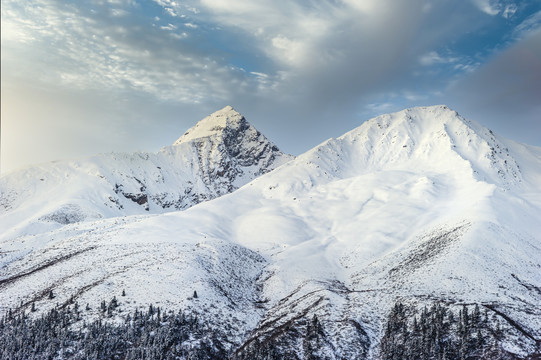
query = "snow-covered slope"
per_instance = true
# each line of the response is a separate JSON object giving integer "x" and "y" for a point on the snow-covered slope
{"x": 219, "y": 154}
{"x": 419, "y": 207}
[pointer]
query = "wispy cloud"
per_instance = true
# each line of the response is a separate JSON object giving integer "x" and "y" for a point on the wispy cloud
{"x": 433, "y": 58}
{"x": 505, "y": 8}
{"x": 169, "y": 27}
{"x": 531, "y": 24}
{"x": 490, "y": 7}
{"x": 509, "y": 10}
{"x": 93, "y": 49}
{"x": 349, "y": 46}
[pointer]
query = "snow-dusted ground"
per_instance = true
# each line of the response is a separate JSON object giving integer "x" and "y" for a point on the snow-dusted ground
{"x": 415, "y": 206}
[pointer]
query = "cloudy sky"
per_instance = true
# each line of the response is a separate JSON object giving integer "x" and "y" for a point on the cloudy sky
{"x": 90, "y": 76}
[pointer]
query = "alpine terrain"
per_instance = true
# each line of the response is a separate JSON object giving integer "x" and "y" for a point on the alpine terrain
{"x": 218, "y": 155}
{"x": 416, "y": 235}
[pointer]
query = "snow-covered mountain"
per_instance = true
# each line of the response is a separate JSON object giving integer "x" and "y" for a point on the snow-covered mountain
{"x": 218, "y": 155}
{"x": 416, "y": 235}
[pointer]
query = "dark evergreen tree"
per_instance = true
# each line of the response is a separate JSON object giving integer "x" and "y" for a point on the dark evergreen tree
{"x": 53, "y": 336}
{"x": 437, "y": 335}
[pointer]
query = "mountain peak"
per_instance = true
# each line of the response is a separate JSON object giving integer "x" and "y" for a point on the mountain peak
{"x": 215, "y": 124}
{"x": 429, "y": 137}
{"x": 228, "y": 147}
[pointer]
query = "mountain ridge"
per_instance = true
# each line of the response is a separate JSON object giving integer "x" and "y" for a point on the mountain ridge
{"x": 442, "y": 129}
{"x": 330, "y": 255}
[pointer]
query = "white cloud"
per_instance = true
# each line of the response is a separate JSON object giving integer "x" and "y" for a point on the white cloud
{"x": 260, "y": 75}
{"x": 171, "y": 12}
{"x": 505, "y": 8}
{"x": 528, "y": 26}
{"x": 287, "y": 32}
{"x": 467, "y": 68}
{"x": 119, "y": 12}
{"x": 93, "y": 52}
{"x": 168, "y": 27}
{"x": 433, "y": 58}
{"x": 180, "y": 36}
{"x": 430, "y": 58}
{"x": 349, "y": 46}
{"x": 366, "y": 7}
{"x": 292, "y": 51}
{"x": 489, "y": 7}
{"x": 122, "y": 2}
{"x": 509, "y": 11}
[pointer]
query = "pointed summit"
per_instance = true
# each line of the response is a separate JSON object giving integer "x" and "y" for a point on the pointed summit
{"x": 215, "y": 125}
{"x": 225, "y": 136}
{"x": 230, "y": 150}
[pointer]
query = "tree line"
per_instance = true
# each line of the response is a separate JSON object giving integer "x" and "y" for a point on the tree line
{"x": 150, "y": 334}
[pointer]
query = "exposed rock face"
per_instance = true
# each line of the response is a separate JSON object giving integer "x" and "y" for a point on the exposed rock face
{"x": 230, "y": 152}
